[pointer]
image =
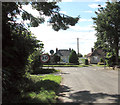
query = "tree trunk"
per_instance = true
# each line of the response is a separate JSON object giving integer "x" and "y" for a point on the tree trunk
{"x": 116, "y": 52}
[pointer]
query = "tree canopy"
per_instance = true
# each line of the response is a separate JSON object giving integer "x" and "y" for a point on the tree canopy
{"x": 73, "y": 58}
{"x": 108, "y": 27}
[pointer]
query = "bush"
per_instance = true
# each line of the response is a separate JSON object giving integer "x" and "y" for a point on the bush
{"x": 86, "y": 61}
{"x": 101, "y": 60}
{"x": 73, "y": 58}
{"x": 34, "y": 61}
{"x": 110, "y": 59}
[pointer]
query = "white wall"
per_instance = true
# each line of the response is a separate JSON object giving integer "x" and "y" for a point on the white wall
{"x": 114, "y": 0}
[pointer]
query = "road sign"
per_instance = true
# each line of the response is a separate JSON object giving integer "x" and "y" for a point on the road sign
{"x": 45, "y": 58}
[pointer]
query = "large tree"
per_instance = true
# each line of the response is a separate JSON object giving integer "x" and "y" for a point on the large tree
{"x": 108, "y": 27}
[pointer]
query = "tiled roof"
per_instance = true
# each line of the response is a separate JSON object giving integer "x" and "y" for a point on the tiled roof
{"x": 63, "y": 52}
{"x": 98, "y": 52}
{"x": 88, "y": 55}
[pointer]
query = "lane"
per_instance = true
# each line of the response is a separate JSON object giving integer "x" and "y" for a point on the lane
{"x": 89, "y": 85}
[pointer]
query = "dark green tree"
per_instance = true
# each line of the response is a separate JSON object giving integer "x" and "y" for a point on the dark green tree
{"x": 51, "y": 52}
{"x": 80, "y": 55}
{"x": 73, "y": 58}
{"x": 108, "y": 27}
{"x": 56, "y": 58}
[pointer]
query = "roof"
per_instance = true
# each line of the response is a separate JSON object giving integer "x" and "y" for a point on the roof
{"x": 63, "y": 52}
{"x": 88, "y": 55}
{"x": 97, "y": 52}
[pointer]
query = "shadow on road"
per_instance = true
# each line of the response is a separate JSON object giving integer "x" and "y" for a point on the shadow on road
{"x": 86, "y": 96}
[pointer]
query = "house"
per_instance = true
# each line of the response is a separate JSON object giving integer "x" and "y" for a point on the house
{"x": 95, "y": 55}
{"x": 64, "y": 54}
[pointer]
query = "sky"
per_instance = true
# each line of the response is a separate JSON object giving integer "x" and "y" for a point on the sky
{"x": 65, "y": 39}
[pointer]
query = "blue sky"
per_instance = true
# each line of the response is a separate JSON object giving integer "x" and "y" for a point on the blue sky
{"x": 68, "y": 39}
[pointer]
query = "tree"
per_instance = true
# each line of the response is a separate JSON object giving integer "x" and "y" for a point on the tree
{"x": 73, "y": 58}
{"x": 51, "y": 52}
{"x": 56, "y": 58}
{"x": 80, "y": 55}
{"x": 108, "y": 27}
{"x": 18, "y": 43}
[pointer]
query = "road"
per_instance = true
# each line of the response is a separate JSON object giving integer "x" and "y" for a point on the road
{"x": 88, "y": 85}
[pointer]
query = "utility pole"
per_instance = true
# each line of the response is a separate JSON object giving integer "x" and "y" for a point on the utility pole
{"x": 78, "y": 45}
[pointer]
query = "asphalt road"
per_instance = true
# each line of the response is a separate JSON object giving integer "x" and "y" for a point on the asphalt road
{"x": 88, "y": 85}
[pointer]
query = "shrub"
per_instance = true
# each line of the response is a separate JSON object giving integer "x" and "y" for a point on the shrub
{"x": 101, "y": 60}
{"x": 73, "y": 58}
{"x": 34, "y": 61}
{"x": 86, "y": 61}
{"x": 110, "y": 59}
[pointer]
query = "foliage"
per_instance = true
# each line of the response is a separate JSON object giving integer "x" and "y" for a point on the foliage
{"x": 66, "y": 65}
{"x": 80, "y": 55}
{"x": 108, "y": 27}
{"x": 86, "y": 61}
{"x": 34, "y": 61}
{"x": 44, "y": 71}
{"x": 51, "y": 51}
{"x": 73, "y": 58}
{"x": 42, "y": 88}
{"x": 51, "y": 10}
{"x": 15, "y": 57}
{"x": 18, "y": 43}
{"x": 39, "y": 89}
{"x": 101, "y": 60}
{"x": 110, "y": 59}
{"x": 56, "y": 58}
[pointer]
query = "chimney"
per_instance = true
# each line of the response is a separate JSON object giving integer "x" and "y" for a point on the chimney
{"x": 56, "y": 50}
{"x": 92, "y": 49}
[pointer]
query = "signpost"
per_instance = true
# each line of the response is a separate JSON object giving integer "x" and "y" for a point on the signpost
{"x": 44, "y": 58}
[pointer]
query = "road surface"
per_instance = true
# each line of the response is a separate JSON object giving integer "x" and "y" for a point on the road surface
{"x": 88, "y": 85}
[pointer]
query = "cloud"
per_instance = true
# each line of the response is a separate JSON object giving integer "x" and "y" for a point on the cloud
{"x": 64, "y": 12}
{"x": 88, "y": 11}
{"x": 97, "y": 0}
{"x": 85, "y": 20}
{"x": 29, "y": 9}
{"x": 66, "y": 39}
{"x": 67, "y": 0}
{"x": 95, "y": 5}
{"x": 82, "y": 28}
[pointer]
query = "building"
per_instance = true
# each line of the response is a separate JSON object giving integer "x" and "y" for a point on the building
{"x": 64, "y": 54}
{"x": 95, "y": 56}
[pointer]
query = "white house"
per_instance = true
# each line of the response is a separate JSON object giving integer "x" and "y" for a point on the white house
{"x": 64, "y": 54}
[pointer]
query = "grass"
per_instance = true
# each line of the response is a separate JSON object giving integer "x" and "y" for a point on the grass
{"x": 82, "y": 65}
{"x": 44, "y": 71}
{"x": 42, "y": 89}
{"x": 98, "y": 65}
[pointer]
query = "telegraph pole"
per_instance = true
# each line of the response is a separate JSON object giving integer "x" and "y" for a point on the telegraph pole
{"x": 78, "y": 45}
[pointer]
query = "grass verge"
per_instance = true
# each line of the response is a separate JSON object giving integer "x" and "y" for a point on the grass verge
{"x": 44, "y": 71}
{"x": 42, "y": 89}
{"x": 66, "y": 65}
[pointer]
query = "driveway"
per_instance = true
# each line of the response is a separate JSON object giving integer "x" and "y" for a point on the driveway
{"x": 88, "y": 85}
